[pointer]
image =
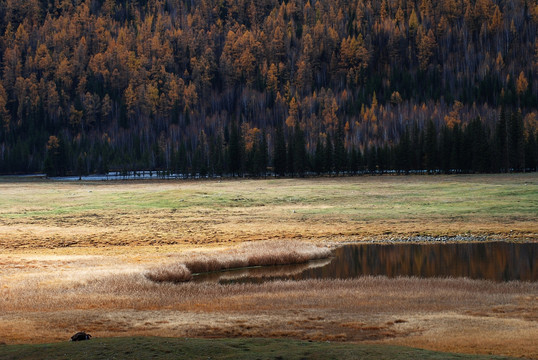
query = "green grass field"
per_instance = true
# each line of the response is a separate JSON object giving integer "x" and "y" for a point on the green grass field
{"x": 203, "y": 349}
{"x": 48, "y": 214}
{"x": 379, "y": 197}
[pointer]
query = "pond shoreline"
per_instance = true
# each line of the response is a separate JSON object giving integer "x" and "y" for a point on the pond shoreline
{"x": 487, "y": 260}
{"x": 424, "y": 239}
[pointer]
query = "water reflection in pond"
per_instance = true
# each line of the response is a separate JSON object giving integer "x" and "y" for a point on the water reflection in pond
{"x": 497, "y": 261}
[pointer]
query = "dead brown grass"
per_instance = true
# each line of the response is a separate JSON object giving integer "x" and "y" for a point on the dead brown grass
{"x": 262, "y": 253}
{"x": 170, "y": 273}
{"x": 73, "y": 256}
{"x": 443, "y": 314}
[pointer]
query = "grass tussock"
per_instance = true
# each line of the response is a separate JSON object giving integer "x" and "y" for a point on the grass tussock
{"x": 170, "y": 273}
{"x": 264, "y": 253}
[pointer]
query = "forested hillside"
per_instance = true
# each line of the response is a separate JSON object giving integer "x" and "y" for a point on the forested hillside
{"x": 233, "y": 87}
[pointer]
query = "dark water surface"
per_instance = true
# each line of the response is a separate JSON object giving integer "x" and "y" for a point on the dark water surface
{"x": 497, "y": 261}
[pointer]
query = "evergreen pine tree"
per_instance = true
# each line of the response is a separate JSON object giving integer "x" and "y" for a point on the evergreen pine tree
{"x": 404, "y": 155}
{"x": 516, "y": 150}
{"x": 339, "y": 150}
{"x": 445, "y": 149}
{"x": 253, "y": 159}
{"x": 200, "y": 158}
{"x": 382, "y": 158}
{"x": 353, "y": 164}
{"x": 263, "y": 157}
{"x": 56, "y": 161}
{"x": 182, "y": 160}
{"x": 216, "y": 158}
{"x": 468, "y": 145}
{"x": 456, "y": 156}
{"x": 299, "y": 149}
{"x": 319, "y": 157}
{"x": 531, "y": 152}
{"x": 234, "y": 150}
{"x": 371, "y": 159}
{"x": 81, "y": 166}
{"x": 329, "y": 155}
{"x": 430, "y": 146}
{"x": 501, "y": 161}
{"x": 481, "y": 148}
{"x": 279, "y": 152}
{"x": 416, "y": 146}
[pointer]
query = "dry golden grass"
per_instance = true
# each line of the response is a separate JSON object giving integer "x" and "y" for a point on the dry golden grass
{"x": 74, "y": 256}
{"x": 262, "y": 253}
{"x": 443, "y": 314}
{"x": 174, "y": 272}
{"x": 95, "y": 216}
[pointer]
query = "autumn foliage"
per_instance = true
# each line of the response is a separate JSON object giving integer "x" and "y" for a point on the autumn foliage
{"x": 202, "y": 87}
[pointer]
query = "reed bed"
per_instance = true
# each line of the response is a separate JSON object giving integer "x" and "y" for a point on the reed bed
{"x": 135, "y": 291}
{"x": 266, "y": 273}
{"x": 262, "y": 253}
{"x": 407, "y": 311}
{"x": 48, "y": 298}
{"x": 169, "y": 273}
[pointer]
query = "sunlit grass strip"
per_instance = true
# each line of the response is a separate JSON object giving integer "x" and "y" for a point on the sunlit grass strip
{"x": 263, "y": 253}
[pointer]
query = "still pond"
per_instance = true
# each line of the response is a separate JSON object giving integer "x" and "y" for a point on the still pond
{"x": 496, "y": 261}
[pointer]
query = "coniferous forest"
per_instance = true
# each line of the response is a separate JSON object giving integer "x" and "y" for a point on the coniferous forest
{"x": 243, "y": 87}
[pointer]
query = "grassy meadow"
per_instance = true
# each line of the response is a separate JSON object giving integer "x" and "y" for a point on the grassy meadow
{"x": 97, "y": 257}
{"x": 45, "y": 214}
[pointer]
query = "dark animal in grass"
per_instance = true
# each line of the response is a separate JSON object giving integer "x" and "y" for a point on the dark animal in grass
{"x": 80, "y": 336}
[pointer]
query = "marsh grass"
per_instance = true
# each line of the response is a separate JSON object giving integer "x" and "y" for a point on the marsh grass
{"x": 49, "y": 298}
{"x": 265, "y": 273}
{"x": 170, "y": 273}
{"x": 262, "y": 253}
{"x": 417, "y": 312}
